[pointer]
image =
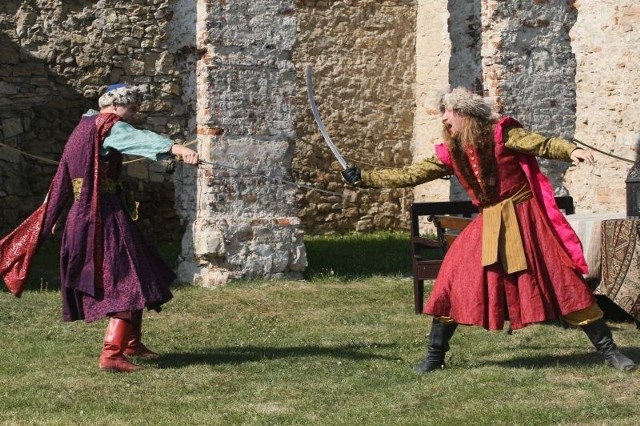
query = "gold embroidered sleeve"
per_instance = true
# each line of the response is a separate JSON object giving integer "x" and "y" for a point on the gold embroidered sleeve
{"x": 415, "y": 174}
{"x": 521, "y": 140}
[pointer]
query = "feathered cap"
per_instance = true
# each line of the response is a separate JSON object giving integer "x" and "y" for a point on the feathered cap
{"x": 121, "y": 94}
{"x": 466, "y": 102}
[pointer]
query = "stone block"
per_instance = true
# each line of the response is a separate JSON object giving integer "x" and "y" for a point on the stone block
{"x": 11, "y": 127}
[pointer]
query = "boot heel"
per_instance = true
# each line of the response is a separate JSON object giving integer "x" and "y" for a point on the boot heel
{"x": 600, "y": 335}
{"x": 134, "y": 346}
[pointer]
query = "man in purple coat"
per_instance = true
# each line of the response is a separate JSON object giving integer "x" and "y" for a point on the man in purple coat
{"x": 107, "y": 268}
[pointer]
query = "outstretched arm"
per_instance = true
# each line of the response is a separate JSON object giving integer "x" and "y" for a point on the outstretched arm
{"x": 579, "y": 155}
{"x": 188, "y": 155}
{"x": 415, "y": 174}
{"x": 536, "y": 144}
{"x": 145, "y": 143}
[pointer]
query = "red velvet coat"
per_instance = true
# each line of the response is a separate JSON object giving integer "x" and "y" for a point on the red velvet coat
{"x": 551, "y": 286}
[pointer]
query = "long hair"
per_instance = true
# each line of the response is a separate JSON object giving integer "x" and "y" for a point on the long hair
{"x": 477, "y": 134}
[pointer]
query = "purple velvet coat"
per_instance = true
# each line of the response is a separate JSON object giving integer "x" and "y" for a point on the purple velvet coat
{"x": 106, "y": 265}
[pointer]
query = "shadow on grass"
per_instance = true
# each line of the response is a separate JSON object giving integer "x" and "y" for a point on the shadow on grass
{"x": 240, "y": 355}
{"x": 549, "y": 361}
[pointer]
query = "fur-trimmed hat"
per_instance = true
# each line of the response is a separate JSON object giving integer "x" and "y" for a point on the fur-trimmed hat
{"x": 466, "y": 102}
{"x": 121, "y": 94}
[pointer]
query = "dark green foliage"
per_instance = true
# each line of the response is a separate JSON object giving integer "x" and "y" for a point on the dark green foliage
{"x": 358, "y": 255}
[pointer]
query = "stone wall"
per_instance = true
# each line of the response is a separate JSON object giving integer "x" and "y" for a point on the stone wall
{"x": 55, "y": 59}
{"x": 231, "y": 73}
{"x": 561, "y": 68}
{"x": 433, "y": 53}
{"x": 518, "y": 56}
{"x": 449, "y": 52}
{"x": 530, "y": 69}
{"x": 363, "y": 59}
{"x": 605, "y": 42}
{"x": 243, "y": 225}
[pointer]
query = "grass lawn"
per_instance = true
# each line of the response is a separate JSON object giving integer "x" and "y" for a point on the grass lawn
{"x": 335, "y": 349}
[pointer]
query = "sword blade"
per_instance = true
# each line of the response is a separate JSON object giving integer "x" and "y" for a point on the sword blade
{"x": 316, "y": 117}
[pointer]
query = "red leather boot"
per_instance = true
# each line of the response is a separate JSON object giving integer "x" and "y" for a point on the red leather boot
{"x": 135, "y": 347}
{"x": 115, "y": 339}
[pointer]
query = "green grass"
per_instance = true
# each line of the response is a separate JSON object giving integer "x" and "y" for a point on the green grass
{"x": 326, "y": 351}
{"x": 358, "y": 255}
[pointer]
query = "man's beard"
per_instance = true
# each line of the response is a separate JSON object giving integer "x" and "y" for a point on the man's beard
{"x": 483, "y": 146}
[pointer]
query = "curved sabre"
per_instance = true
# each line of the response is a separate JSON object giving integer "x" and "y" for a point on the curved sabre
{"x": 316, "y": 116}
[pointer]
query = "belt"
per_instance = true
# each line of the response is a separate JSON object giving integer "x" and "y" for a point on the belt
{"x": 108, "y": 186}
{"x": 501, "y": 233}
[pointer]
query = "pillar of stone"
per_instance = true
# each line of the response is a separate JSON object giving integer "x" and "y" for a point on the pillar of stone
{"x": 530, "y": 69}
{"x": 245, "y": 225}
{"x": 448, "y": 52}
{"x": 521, "y": 58}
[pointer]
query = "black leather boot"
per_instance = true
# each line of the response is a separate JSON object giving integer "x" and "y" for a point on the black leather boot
{"x": 600, "y": 335}
{"x": 437, "y": 347}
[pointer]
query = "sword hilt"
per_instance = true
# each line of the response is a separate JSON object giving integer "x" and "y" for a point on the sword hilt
{"x": 352, "y": 175}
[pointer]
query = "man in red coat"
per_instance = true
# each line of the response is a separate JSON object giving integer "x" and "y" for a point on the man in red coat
{"x": 519, "y": 259}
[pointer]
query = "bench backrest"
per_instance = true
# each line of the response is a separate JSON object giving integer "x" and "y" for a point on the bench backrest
{"x": 465, "y": 209}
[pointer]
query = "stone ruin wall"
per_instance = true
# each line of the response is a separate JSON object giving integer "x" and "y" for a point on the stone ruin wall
{"x": 243, "y": 226}
{"x": 520, "y": 57}
{"x": 225, "y": 74}
{"x": 605, "y": 41}
{"x": 363, "y": 59}
{"x": 561, "y": 68}
{"x": 378, "y": 67}
{"x": 529, "y": 69}
{"x": 55, "y": 60}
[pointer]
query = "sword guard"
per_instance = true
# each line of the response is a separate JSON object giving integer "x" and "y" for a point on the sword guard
{"x": 352, "y": 175}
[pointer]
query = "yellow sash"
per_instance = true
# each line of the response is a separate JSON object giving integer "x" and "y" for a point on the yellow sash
{"x": 501, "y": 233}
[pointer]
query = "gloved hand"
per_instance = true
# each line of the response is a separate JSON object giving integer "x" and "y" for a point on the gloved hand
{"x": 352, "y": 175}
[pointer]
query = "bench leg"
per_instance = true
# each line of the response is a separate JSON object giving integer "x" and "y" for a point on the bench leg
{"x": 418, "y": 295}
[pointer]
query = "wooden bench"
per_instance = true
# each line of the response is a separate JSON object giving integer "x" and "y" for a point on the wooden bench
{"x": 449, "y": 219}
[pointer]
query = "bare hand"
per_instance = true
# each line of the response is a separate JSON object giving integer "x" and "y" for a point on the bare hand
{"x": 185, "y": 154}
{"x": 579, "y": 155}
{"x": 191, "y": 157}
